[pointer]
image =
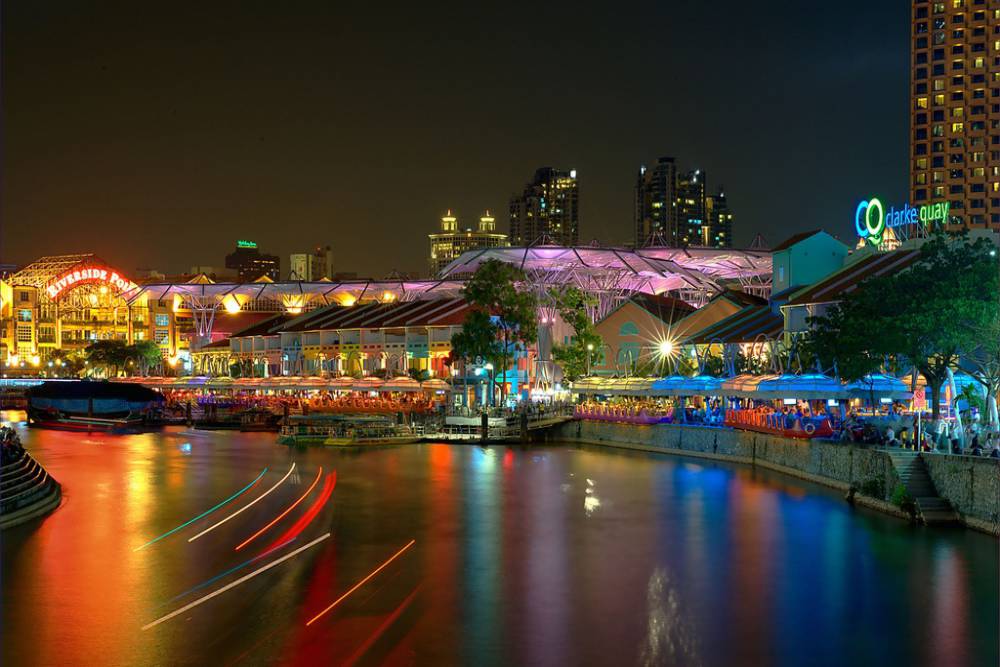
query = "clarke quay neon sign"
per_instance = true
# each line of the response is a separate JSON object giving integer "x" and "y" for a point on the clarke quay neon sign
{"x": 246, "y": 244}
{"x": 871, "y": 219}
{"x": 95, "y": 274}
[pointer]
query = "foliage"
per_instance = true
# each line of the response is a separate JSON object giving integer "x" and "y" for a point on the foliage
{"x": 576, "y": 357}
{"x": 109, "y": 355}
{"x": 900, "y": 496}
{"x": 419, "y": 374}
{"x": 983, "y": 361}
{"x": 146, "y": 355}
{"x": 873, "y": 488}
{"x": 923, "y": 316}
{"x": 502, "y": 316}
{"x": 66, "y": 363}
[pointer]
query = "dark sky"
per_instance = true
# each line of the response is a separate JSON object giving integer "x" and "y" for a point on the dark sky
{"x": 155, "y": 134}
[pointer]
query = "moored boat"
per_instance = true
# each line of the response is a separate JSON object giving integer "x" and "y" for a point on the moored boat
{"x": 91, "y": 405}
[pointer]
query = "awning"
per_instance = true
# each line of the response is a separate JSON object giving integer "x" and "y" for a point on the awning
{"x": 880, "y": 386}
{"x": 435, "y": 384}
{"x": 811, "y": 386}
{"x": 744, "y": 385}
{"x": 680, "y": 385}
{"x": 367, "y": 384}
{"x": 401, "y": 383}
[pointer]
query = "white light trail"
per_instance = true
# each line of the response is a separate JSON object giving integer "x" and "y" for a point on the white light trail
{"x": 233, "y": 584}
{"x": 245, "y": 507}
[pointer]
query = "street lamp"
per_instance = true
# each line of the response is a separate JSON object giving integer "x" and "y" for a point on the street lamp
{"x": 489, "y": 375}
{"x": 590, "y": 349}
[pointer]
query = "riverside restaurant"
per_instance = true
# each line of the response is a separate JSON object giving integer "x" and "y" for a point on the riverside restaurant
{"x": 798, "y": 406}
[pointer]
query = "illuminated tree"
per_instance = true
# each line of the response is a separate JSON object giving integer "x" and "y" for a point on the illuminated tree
{"x": 501, "y": 317}
{"x": 577, "y": 356}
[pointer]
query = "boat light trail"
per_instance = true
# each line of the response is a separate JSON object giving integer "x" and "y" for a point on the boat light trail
{"x": 380, "y": 630}
{"x": 203, "y": 514}
{"x": 361, "y": 583}
{"x": 245, "y": 507}
{"x": 306, "y": 519}
{"x": 283, "y": 514}
{"x": 229, "y": 571}
{"x": 233, "y": 584}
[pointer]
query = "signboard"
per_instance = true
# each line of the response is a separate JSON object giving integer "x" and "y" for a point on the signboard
{"x": 246, "y": 244}
{"x": 919, "y": 399}
{"x": 57, "y": 288}
{"x": 871, "y": 219}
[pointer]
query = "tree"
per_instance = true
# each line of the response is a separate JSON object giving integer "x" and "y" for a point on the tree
{"x": 983, "y": 361}
{"x": 501, "y": 317}
{"x": 146, "y": 354}
{"x": 109, "y": 355}
{"x": 576, "y": 357}
{"x": 925, "y": 316}
{"x": 65, "y": 363}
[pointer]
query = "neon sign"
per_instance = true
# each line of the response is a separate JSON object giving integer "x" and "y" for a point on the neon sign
{"x": 871, "y": 219}
{"x": 246, "y": 244}
{"x": 94, "y": 274}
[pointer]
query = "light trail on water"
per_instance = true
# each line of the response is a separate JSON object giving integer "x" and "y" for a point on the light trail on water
{"x": 360, "y": 583}
{"x": 306, "y": 519}
{"x": 283, "y": 514}
{"x": 233, "y": 584}
{"x": 245, "y": 507}
{"x": 229, "y": 571}
{"x": 203, "y": 514}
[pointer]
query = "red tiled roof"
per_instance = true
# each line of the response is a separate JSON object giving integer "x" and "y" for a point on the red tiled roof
{"x": 834, "y": 287}
{"x": 430, "y": 312}
{"x": 664, "y": 307}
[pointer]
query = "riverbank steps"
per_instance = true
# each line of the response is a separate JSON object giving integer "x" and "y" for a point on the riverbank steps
{"x": 27, "y": 491}
{"x": 866, "y": 474}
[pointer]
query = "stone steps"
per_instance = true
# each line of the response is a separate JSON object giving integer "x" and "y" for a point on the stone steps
{"x": 27, "y": 492}
{"x": 912, "y": 472}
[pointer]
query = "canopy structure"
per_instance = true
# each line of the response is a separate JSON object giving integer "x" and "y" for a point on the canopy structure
{"x": 744, "y": 385}
{"x": 634, "y": 386}
{"x": 401, "y": 383}
{"x": 880, "y": 386}
{"x": 615, "y": 273}
{"x": 681, "y": 385}
{"x": 342, "y": 383}
{"x": 204, "y": 298}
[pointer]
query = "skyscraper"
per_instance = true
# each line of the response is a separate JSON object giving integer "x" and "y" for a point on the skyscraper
{"x": 311, "y": 266}
{"x": 654, "y": 203}
{"x": 718, "y": 233}
{"x": 250, "y": 264}
{"x": 674, "y": 208}
{"x": 451, "y": 242}
{"x": 548, "y": 208}
{"x": 955, "y": 110}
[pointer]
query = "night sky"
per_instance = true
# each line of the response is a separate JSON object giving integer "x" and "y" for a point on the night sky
{"x": 155, "y": 135}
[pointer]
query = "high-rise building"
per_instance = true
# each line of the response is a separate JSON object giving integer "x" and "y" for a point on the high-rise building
{"x": 313, "y": 266}
{"x": 955, "y": 112}
{"x": 690, "y": 213}
{"x": 451, "y": 241}
{"x": 547, "y": 209}
{"x": 654, "y": 203}
{"x": 250, "y": 263}
{"x": 675, "y": 208}
{"x": 718, "y": 233}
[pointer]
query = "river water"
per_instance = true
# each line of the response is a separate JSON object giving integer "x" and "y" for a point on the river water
{"x": 439, "y": 554}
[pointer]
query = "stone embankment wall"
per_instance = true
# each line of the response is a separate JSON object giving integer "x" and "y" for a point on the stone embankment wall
{"x": 971, "y": 484}
{"x": 869, "y": 471}
{"x": 27, "y": 491}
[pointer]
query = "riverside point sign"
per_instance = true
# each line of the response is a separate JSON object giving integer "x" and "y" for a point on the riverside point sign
{"x": 871, "y": 219}
{"x": 93, "y": 274}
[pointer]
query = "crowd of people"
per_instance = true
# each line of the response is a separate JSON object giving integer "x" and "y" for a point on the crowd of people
{"x": 652, "y": 411}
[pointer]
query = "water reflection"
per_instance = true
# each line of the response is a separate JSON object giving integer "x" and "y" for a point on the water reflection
{"x": 522, "y": 556}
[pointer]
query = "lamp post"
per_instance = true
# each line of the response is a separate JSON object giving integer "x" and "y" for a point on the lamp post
{"x": 590, "y": 350}
{"x": 489, "y": 376}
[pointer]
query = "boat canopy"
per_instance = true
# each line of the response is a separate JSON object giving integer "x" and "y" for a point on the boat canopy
{"x": 807, "y": 387}
{"x": 681, "y": 385}
{"x": 401, "y": 383}
{"x": 880, "y": 386}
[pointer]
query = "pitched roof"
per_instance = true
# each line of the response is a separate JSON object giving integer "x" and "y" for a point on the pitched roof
{"x": 739, "y": 298}
{"x": 262, "y": 328}
{"x": 792, "y": 240}
{"x": 743, "y": 326}
{"x": 846, "y": 280}
{"x": 664, "y": 307}
{"x": 429, "y": 312}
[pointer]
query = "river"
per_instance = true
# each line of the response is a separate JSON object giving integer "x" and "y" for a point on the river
{"x": 438, "y": 554}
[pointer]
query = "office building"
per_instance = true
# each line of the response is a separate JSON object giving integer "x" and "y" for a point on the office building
{"x": 654, "y": 203}
{"x": 547, "y": 210}
{"x": 250, "y": 263}
{"x": 452, "y": 241}
{"x": 955, "y": 110}
{"x": 313, "y": 266}
{"x": 674, "y": 208}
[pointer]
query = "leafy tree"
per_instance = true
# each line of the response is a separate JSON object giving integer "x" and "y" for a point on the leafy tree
{"x": 65, "y": 363}
{"x": 145, "y": 354}
{"x": 924, "y": 316}
{"x": 576, "y": 357}
{"x": 109, "y": 355}
{"x": 501, "y": 317}
{"x": 983, "y": 361}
